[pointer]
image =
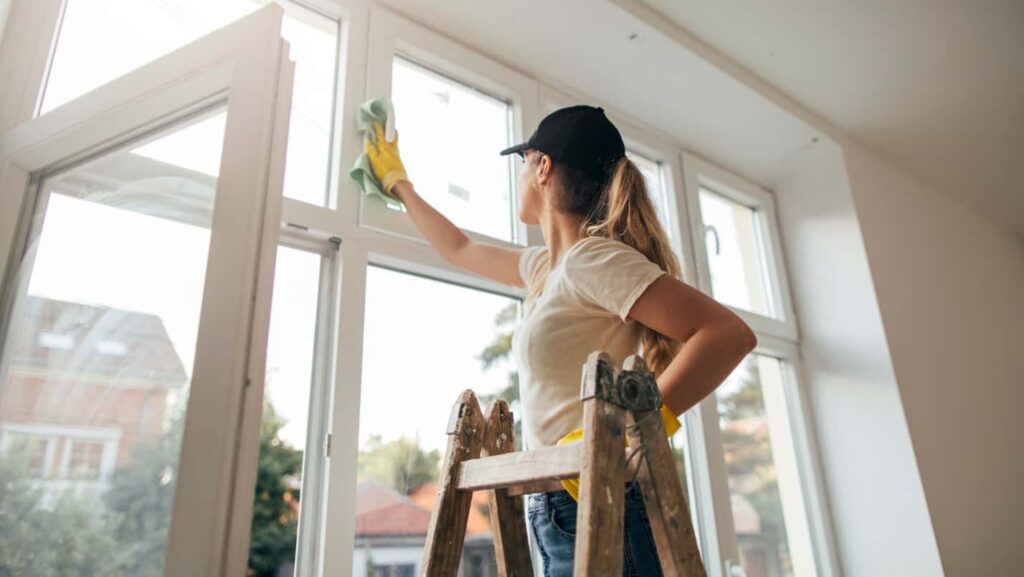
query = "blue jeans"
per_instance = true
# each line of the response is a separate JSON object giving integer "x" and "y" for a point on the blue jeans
{"x": 553, "y": 518}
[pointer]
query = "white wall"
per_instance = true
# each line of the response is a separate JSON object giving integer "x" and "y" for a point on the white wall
{"x": 879, "y": 513}
{"x": 911, "y": 314}
{"x": 950, "y": 286}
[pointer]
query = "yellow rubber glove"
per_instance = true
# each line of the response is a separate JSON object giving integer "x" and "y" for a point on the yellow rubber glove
{"x": 384, "y": 161}
{"x": 572, "y": 486}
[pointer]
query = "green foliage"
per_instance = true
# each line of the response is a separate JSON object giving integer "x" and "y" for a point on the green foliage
{"x": 497, "y": 350}
{"x": 748, "y": 452}
{"x": 69, "y": 536}
{"x": 500, "y": 348}
{"x": 274, "y": 522}
{"x": 400, "y": 464}
{"x": 368, "y": 552}
{"x": 141, "y": 496}
{"x": 124, "y": 533}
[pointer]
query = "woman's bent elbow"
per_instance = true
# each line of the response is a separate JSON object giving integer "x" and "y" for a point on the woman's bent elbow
{"x": 745, "y": 337}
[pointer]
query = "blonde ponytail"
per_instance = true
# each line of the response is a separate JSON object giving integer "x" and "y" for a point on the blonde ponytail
{"x": 620, "y": 208}
{"x": 628, "y": 216}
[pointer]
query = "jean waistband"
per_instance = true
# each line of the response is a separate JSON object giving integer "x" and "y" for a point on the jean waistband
{"x": 555, "y": 498}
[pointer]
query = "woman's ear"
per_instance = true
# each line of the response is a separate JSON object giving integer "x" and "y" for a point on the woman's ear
{"x": 544, "y": 168}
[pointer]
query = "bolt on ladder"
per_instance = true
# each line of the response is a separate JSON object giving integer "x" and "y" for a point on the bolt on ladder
{"x": 480, "y": 456}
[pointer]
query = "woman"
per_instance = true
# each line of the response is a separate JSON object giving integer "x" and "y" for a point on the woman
{"x": 606, "y": 279}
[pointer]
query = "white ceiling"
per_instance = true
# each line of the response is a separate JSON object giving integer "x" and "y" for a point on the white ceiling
{"x": 936, "y": 86}
{"x": 611, "y": 58}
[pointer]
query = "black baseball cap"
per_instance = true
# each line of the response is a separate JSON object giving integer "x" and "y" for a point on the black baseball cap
{"x": 580, "y": 136}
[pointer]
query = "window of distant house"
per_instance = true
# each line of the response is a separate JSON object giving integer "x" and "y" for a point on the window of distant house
{"x": 450, "y": 135}
{"x": 32, "y": 450}
{"x": 404, "y": 570}
{"x": 85, "y": 460}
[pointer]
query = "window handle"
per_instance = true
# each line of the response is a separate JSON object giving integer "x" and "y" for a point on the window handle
{"x": 718, "y": 245}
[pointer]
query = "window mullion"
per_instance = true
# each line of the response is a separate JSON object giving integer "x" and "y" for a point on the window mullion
{"x": 348, "y": 330}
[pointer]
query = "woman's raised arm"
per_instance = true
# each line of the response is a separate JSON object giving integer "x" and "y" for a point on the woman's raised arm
{"x": 491, "y": 261}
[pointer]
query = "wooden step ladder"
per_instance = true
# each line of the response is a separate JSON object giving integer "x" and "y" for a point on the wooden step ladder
{"x": 480, "y": 457}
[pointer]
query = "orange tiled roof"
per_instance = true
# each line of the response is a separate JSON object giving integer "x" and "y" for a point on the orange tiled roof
{"x": 479, "y": 523}
{"x": 382, "y": 511}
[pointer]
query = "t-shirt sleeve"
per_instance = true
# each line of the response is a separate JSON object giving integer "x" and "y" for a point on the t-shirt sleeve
{"x": 611, "y": 274}
{"x": 531, "y": 261}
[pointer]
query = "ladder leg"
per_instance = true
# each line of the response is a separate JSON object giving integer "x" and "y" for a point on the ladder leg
{"x": 508, "y": 524}
{"x": 664, "y": 499}
{"x": 600, "y": 514}
{"x": 447, "y": 530}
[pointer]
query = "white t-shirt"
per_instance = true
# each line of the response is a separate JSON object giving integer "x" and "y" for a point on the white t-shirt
{"x": 583, "y": 308}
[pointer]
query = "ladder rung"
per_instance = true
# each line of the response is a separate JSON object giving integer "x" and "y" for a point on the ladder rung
{"x": 521, "y": 468}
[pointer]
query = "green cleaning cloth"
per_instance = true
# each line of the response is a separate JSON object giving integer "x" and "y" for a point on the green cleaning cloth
{"x": 375, "y": 110}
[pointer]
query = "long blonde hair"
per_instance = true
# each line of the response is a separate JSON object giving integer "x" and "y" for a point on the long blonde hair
{"x": 622, "y": 211}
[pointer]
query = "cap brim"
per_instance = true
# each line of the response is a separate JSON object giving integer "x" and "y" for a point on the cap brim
{"x": 516, "y": 148}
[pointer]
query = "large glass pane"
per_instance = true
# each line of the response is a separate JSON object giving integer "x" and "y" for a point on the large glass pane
{"x": 450, "y": 135}
{"x": 97, "y": 361}
{"x": 101, "y": 40}
{"x": 425, "y": 342}
{"x": 760, "y": 458}
{"x": 652, "y": 172}
{"x": 286, "y": 409}
{"x": 735, "y": 253}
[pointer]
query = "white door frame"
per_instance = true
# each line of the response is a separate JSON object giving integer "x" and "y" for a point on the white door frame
{"x": 243, "y": 67}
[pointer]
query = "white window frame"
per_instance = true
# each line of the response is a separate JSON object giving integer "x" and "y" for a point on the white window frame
{"x": 331, "y": 11}
{"x": 392, "y": 35}
{"x": 776, "y": 338}
{"x": 361, "y": 246}
{"x": 699, "y": 173}
{"x": 243, "y": 67}
{"x": 32, "y": 30}
{"x": 361, "y": 73}
{"x": 317, "y": 449}
{"x": 25, "y": 52}
{"x": 809, "y": 471}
